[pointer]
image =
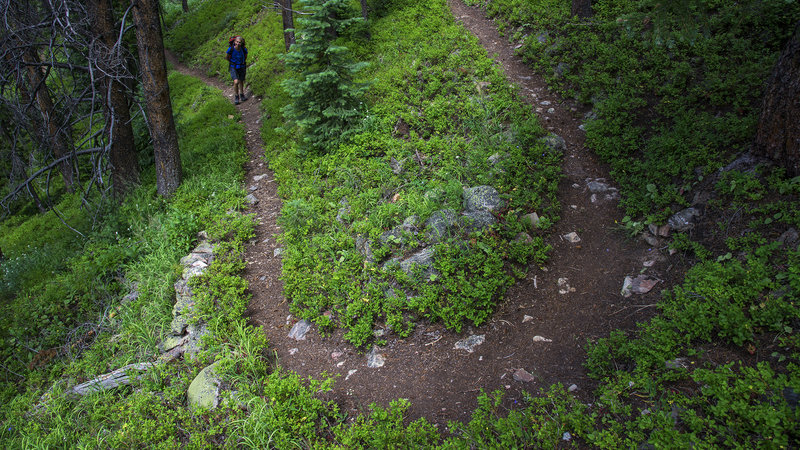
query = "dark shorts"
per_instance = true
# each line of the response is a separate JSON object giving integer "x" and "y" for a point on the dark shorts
{"x": 238, "y": 74}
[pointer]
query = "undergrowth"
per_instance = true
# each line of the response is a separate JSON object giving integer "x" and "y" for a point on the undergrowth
{"x": 718, "y": 367}
{"x": 441, "y": 119}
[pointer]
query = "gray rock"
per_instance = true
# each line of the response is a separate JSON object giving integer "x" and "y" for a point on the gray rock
{"x": 434, "y": 195}
{"x": 396, "y": 166}
{"x": 277, "y": 252}
{"x": 299, "y": 330}
{"x": 423, "y": 258}
{"x": 531, "y": 219}
{"x": 554, "y": 142}
{"x": 251, "y": 199}
{"x": 363, "y": 246}
{"x": 477, "y": 220}
{"x": 375, "y": 359}
{"x": 662, "y": 231}
{"x": 179, "y": 324}
{"x": 169, "y": 343}
{"x": 652, "y": 240}
{"x": 542, "y": 37}
{"x": 495, "y": 159}
{"x": 439, "y": 224}
{"x": 523, "y": 237}
{"x": 561, "y": 69}
{"x": 789, "y": 238}
{"x": 677, "y": 363}
{"x": 523, "y": 376}
{"x": 642, "y": 284}
{"x": 683, "y": 220}
{"x": 196, "y": 333}
{"x": 572, "y": 237}
{"x": 344, "y": 211}
{"x": 204, "y": 390}
{"x": 470, "y": 342}
{"x": 481, "y": 198}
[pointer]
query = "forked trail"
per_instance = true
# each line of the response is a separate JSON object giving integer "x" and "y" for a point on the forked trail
{"x": 575, "y": 299}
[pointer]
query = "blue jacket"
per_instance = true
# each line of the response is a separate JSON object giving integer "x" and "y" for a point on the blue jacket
{"x": 238, "y": 58}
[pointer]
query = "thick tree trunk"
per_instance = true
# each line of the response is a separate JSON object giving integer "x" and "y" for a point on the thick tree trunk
{"x": 185, "y": 5}
{"x": 288, "y": 23}
{"x": 59, "y": 139}
{"x": 158, "y": 106}
{"x": 582, "y": 8}
{"x": 778, "y": 133}
{"x": 124, "y": 163}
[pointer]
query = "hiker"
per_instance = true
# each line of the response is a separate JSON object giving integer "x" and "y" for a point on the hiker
{"x": 237, "y": 58}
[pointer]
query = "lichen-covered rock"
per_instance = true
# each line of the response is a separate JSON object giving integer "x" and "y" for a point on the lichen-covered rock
{"x": 205, "y": 388}
{"x": 477, "y": 220}
{"x": 683, "y": 220}
{"x": 439, "y": 224}
{"x": 482, "y": 198}
{"x": 554, "y": 142}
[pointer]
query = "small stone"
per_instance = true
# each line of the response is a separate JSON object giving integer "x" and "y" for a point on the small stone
{"x": 299, "y": 330}
{"x": 277, "y": 252}
{"x": 470, "y": 343}
{"x": 292, "y": 351}
{"x": 677, "y": 363}
{"x": 572, "y": 388}
{"x": 523, "y": 376}
{"x": 336, "y": 355}
{"x": 564, "y": 287}
{"x": 566, "y": 436}
{"x": 350, "y": 373}
{"x": 572, "y": 237}
{"x": 526, "y": 318}
{"x": 524, "y": 238}
{"x": 259, "y": 177}
{"x": 375, "y": 359}
{"x": 541, "y": 339}
{"x": 531, "y": 218}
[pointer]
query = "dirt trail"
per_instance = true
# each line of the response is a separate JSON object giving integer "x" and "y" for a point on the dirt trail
{"x": 441, "y": 382}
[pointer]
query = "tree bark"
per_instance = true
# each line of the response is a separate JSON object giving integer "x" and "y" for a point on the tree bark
{"x": 364, "y": 9}
{"x": 158, "y": 106}
{"x": 582, "y": 8}
{"x": 288, "y": 23}
{"x": 778, "y": 134}
{"x": 60, "y": 139}
{"x": 185, "y": 5}
{"x": 124, "y": 162}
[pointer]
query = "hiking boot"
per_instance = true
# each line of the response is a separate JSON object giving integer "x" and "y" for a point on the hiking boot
{"x": 236, "y": 100}
{"x": 242, "y": 97}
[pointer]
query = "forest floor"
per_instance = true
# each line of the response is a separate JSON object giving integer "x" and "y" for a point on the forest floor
{"x": 442, "y": 382}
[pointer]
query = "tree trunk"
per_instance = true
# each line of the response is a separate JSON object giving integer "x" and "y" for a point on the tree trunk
{"x": 288, "y": 23}
{"x": 158, "y": 106}
{"x": 582, "y": 8}
{"x": 59, "y": 139}
{"x": 185, "y": 5}
{"x": 124, "y": 163}
{"x": 778, "y": 133}
{"x": 364, "y": 9}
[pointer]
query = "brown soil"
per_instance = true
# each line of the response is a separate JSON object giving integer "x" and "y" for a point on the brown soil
{"x": 441, "y": 382}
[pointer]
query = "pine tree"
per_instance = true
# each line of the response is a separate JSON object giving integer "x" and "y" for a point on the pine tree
{"x": 326, "y": 101}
